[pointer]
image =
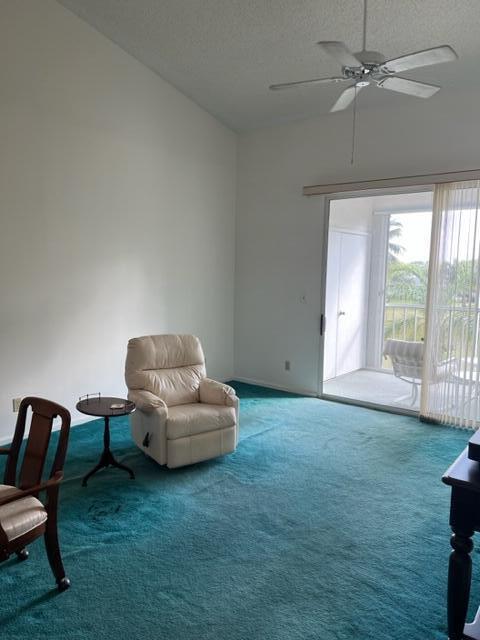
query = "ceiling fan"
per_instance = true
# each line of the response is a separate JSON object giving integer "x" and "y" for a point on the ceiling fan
{"x": 370, "y": 68}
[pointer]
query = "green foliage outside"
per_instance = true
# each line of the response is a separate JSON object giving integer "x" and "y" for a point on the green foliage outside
{"x": 406, "y": 284}
{"x": 406, "y": 296}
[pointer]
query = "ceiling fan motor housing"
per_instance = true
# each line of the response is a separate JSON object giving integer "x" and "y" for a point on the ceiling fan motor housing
{"x": 371, "y": 61}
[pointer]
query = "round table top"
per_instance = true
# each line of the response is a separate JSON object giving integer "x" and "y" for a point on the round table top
{"x": 101, "y": 406}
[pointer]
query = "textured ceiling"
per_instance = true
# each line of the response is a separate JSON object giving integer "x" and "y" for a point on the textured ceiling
{"x": 224, "y": 53}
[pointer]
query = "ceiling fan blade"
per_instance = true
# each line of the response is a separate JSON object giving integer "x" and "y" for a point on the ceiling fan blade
{"x": 340, "y": 52}
{"x": 424, "y": 58}
{"x": 410, "y": 87}
{"x": 345, "y": 98}
{"x": 289, "y": 85}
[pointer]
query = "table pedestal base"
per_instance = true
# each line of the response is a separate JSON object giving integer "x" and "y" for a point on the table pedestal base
{"x": 107, "y": 459}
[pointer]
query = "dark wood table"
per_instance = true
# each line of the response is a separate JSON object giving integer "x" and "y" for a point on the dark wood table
{"x": 464, "y": 479}
{"x": 101, "y": 407}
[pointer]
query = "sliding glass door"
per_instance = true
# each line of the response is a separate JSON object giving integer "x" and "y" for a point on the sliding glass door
{"x": 375, "y": 298}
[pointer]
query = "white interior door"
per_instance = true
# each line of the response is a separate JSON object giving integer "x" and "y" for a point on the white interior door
{"x": 352, "y": 299}
{"x": 346, "y": 303}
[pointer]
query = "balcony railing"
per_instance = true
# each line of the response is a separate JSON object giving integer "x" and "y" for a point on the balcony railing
{"x": 404, "y": 322}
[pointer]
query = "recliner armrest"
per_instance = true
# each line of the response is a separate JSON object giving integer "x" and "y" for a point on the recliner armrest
{"x": 213, "y": 392}
{"x": 146, "y": 401}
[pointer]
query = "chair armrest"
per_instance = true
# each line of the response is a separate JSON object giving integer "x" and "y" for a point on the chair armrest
{"x": 19, "y": 494}
{"x": 213, "y": 392}
{"x": 146, "y": 401}
{"x": 4, "y": 452}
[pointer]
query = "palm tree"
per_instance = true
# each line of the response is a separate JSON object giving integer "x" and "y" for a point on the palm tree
{"x": 394, "y": 248}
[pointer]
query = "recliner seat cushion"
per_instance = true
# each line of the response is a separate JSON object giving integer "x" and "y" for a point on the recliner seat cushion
{"x": 193, "y": 419}
{"x": 20, "y": 516}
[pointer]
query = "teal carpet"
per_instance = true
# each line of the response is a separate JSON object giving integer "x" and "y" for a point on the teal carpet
{"x": 330, "y": 522}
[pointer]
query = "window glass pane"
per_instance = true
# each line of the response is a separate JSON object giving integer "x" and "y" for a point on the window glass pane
{"x": 407, "y": 276}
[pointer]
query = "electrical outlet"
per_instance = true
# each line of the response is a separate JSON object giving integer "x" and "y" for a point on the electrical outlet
{"x": 16, "y": 404}
{"x": 287, "y": 365}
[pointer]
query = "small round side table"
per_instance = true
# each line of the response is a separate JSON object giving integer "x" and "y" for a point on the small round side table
{"x": 101, "y": 407}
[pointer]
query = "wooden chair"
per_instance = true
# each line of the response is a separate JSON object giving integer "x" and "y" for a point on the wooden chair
{"x": 23, "y": 518}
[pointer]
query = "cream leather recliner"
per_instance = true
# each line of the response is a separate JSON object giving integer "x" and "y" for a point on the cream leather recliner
{"x": 182, "y": 416}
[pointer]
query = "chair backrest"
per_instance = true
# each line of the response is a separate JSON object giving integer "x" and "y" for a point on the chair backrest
{"x": 170, "y": 366}
{"x": 406, "y": 357}
{"x": 43, "y": 414}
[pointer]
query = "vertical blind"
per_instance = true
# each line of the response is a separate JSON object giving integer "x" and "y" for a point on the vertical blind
{"x": 451, "y": 369}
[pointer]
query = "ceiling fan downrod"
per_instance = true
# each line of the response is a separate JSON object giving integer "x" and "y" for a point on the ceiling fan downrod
{"x": 364, "y": 43}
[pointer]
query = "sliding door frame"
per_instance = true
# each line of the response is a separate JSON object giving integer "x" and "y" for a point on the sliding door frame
{"x": 344, "y": 195}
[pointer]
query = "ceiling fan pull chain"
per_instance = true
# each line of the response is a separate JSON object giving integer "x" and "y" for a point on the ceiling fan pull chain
{"x": 354, "y": 133}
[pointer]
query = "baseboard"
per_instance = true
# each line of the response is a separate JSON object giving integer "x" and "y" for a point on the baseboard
{"x": 271, "y": 385}
{"x": 253, "y": 381}
{"x": 74, "y": 423}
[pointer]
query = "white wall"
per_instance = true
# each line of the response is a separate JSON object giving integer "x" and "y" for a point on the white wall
{"x": 117, "y": 201}
{"x": 280, "y": 232}
{"x": 352, "y": 214}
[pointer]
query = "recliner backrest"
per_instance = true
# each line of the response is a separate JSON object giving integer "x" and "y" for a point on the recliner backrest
{"x": 170, "y": 366}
